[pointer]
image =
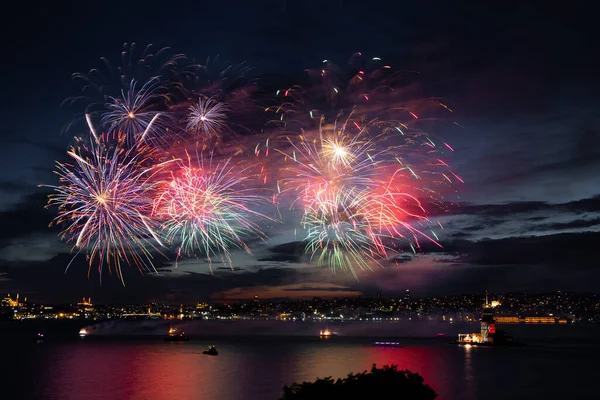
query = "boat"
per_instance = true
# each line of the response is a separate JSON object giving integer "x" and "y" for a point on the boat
{"x": 212, "y": 351}
{"x": 387, "y": 344}
{"x": 83, "y": 332}
{"x": 40, "y": 337}
{"x": 327, "y": 333}
{"x": 174, "y": 336}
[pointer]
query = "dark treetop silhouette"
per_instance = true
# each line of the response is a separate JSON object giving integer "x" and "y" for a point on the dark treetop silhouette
{"x": 386, "y": 382}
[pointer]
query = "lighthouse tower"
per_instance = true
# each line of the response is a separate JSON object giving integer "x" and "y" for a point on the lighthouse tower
{"x": 488, "y": 323}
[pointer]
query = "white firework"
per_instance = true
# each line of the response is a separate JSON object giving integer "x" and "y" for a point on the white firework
{"x": 207, "y": 118}
{"x": 134, "y": 112}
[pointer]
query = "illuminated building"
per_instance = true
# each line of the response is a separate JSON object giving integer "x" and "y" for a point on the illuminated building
{"x": 539, "y": 320}
{"x": 508, "y": 319}
{"x": 85, "y": 305}
{"x": 488, "y": 324}
{"x": 488, "y": 335}
{"x": 513, "y": 319}
{"x": 9, "y": 302}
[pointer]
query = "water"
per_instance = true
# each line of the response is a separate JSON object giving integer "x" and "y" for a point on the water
{"x": 560, "y": 364}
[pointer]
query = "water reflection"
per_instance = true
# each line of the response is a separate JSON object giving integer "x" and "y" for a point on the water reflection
{"x": 468, "y": 373}
{"x": 249, "y": 370}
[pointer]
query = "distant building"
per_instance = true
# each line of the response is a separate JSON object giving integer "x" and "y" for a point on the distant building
{"x": 10, "y": 302}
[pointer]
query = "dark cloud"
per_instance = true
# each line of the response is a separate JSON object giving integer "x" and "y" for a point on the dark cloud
{"x": 228, "y": 268}
{"x": 29, "y": 216}
{"x": 56, "y": 149}
{"x": 527, "y": 207}
{"x": 14, "y": 186}
{"x": 575, "y": 224}
{"x": 49, "y": 281}
{"x": 286, "y": 252}
{"x": 567, "y": 249}
{"x": 584, "y": 152}
{"x": 401, "y": 258}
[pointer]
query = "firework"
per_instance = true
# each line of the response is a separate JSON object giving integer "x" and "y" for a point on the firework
{"x": 213, "y": 78}
{"x": 228, "y": 91}
{"x": 103, "y": 198}
{"x": 362, "y": 183}
{"x": 354, "y": 153}
{"x": 127, "y": 95}
{"x": 206, "y": 118}
{"x": 205, "y": 208}
{"x": 135, "y": 112}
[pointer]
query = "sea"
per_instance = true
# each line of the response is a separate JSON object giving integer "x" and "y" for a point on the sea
{"x": 130, "y": 359}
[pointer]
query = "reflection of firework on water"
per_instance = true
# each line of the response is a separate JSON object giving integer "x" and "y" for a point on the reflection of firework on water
{"x": 205, "y": 208}
{"x": 103, "y": 201}
{"x": 206, "y": 118}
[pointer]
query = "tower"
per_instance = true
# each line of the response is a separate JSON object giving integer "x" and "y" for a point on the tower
{"x": 488, "y": 323}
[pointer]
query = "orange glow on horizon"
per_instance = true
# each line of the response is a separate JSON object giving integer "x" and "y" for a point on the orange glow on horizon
{"x": 294, "y": 291}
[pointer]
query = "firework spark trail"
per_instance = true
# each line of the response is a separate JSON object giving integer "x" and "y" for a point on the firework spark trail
{"x": 103, "y": 199}
{"x": 205, "y": 208}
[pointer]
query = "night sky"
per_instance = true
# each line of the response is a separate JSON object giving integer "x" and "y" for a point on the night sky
{"x": 522, "y": 80}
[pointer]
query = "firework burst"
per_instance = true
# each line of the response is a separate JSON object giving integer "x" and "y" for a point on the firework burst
{"x": 103, "y": 199}
{"x": 135, "y": 112}
{"x": 353, "y": 152}
{"x": 137, "y": 103}
{"x": 206, "y": 118}
{"x": 362, "y": 185}
{"x": 205, "y": 208}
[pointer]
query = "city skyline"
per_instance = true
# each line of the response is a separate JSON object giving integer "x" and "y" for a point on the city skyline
{"x": 544, "y": 308}
{"x": 526, "y": 219}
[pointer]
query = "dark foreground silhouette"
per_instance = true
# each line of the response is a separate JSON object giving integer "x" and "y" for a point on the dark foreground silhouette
{"x": 385, "y": 383}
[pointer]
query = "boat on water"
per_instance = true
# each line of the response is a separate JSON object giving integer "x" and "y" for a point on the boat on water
{"x": 387, "y": 344}
{"x": 212, "y": 351}
{"x": 83, "y": 332}
{"x": 175, "y": 336}
{"x": 40, "y": 337}
{"x": 327, "y": 333}
{"x": 488, "y": 335}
